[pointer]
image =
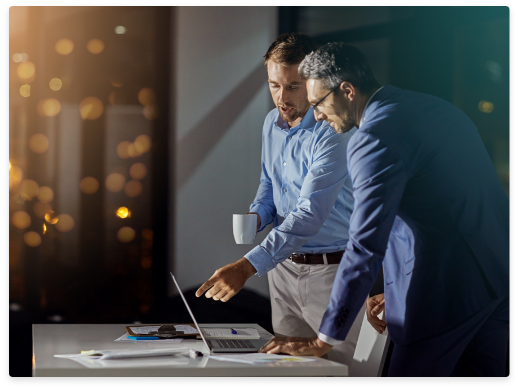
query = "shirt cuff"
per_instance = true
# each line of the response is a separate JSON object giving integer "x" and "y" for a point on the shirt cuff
{"x": 263, "y": 215}
{"x": 327, "y": 339}
{"x": 261, "y": 260}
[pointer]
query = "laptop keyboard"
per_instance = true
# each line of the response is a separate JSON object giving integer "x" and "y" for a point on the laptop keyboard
{"x": 222, "y": 343}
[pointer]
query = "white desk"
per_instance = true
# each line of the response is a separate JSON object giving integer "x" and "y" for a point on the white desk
{"x": 51, "y": 339}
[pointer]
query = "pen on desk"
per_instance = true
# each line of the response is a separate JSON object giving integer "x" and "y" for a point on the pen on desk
{"x": 142, "y": 338}
{"x": 233, "y": 331}
{"x": 194, "y": 353}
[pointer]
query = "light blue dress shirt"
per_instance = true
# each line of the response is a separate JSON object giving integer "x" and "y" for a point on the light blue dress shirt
{"x": 305, "y": 190}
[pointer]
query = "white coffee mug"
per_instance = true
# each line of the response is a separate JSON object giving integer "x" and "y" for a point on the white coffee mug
{"x": 244, "y": 228}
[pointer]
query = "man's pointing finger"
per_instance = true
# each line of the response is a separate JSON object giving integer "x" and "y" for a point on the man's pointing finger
{"x": 205, "y": 286}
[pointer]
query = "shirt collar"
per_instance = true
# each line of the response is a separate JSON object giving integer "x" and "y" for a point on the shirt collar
{"x": 366, "y": 106}
{"x": 308, "y": 122}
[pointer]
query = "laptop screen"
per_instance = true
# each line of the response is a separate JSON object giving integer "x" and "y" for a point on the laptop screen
{"x": 189, "y": 310}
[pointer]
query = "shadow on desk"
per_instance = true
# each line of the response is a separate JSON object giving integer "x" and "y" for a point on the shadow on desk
{"x": 245, "y": 307}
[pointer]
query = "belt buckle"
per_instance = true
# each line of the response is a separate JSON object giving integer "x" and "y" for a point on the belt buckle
{"x": 292, "y": 259}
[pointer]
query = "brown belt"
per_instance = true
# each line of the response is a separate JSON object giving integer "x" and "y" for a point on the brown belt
{"x": 317, "y": 259}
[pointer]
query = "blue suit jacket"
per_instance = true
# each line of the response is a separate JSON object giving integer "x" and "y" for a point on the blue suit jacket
{"x": 430, "y": 208}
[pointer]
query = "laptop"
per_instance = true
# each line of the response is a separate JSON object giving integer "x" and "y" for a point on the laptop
{"x": 223, "y": 345}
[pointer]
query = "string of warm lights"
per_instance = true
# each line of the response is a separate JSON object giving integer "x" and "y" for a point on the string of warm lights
{"x": 90, "y": 108}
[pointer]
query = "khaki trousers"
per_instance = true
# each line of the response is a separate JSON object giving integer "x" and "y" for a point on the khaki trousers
{"x": 299, "y": 295}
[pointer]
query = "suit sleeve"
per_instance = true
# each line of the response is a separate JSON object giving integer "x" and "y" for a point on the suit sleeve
{"x": 379, "y": 178}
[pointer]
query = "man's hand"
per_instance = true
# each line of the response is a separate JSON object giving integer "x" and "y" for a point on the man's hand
{"x": 227, "y": 281}
{"x": 375, "y": 306}
{"x": 296, "y": 346}
{"x": 258, "y": 224}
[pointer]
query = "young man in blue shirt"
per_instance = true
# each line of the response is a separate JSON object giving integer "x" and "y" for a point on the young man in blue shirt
{"x": 305, "y": 191}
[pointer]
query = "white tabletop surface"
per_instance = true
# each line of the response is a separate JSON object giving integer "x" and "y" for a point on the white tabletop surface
{"x": 51, "y": 339}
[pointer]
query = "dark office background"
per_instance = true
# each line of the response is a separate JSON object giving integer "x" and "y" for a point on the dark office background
{"x": 108, "y": 262}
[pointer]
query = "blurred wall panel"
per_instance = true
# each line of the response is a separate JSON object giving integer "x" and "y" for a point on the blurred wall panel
{"x": 222, "y": 99}
{"x": 68, "y": 178}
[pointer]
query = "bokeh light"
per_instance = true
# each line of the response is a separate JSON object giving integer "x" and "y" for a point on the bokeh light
{"x": 45, "y": 194}
{"x": 116, "y": 83}
{"x": 122, "y": 149}
{"x": 126, "y": 234}
{"x": 142, "y": 143}
{"x": 15, "y": 176}
{"x": 26, "y": 71}
{"x": 147, "y": 234}
{"x": 25, "y": 90}
{"x": 32, "y": 239}
{"x": 28, "y": 189}
{"x": 38, "y": 143}
{"x": 91, "y": 108}
{"x": 146, "y": 96}
{"x": 21, "y": 220}
{"x": 95, "y": 46}
{"x": 485, "y": 106}
{"x": 120, "y": 30}
{"x": 20, "y": 57}
{"x": 65, "y": 223}
{"x": 115, "y": 182}
{"x": 44, "y": 228}
{"x": 146, "y": 262}
{"x": 40, "y": 209}
{"x": 55, "y": 84}
{"x": 123, "y": 212}
{"x": 48, "y": 107}
{"x": 138, "y": 171}
{"x": 133, "y": 188}
{"x": 51, "y": 217}
{"x": 64, "y": 46}
{"x": 132, "y": 151}
{"x": 89, "y": 185}
{"x": 150, "y": 112}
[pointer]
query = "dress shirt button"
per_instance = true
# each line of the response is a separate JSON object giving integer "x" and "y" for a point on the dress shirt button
{"x": 285, "y": 190}
{"x": 289, "y": 138}
{"x": 284, "y": 164}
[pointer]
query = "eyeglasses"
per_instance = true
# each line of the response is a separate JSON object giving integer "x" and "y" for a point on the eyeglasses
{"x": 314, "y": 106}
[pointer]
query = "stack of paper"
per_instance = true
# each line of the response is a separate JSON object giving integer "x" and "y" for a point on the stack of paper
{"x": 119, "y": 354}
{"x": 179, "y": 327}
{"x": 260, "y": 358}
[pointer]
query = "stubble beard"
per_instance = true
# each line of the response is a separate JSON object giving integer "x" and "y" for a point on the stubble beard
{"x": 293, "y": 116}
{"x": 344, "y": 127}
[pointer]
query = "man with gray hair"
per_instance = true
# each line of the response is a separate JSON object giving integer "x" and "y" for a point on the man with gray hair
{"x": 429, "y": 207}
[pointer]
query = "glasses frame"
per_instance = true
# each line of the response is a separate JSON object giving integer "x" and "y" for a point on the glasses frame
{"x": 314, "y": 106}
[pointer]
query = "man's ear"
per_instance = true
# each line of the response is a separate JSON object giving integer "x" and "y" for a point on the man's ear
{"x": 348, "y": 90}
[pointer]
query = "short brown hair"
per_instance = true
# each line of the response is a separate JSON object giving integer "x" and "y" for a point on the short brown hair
{"x": 290, "y": 49}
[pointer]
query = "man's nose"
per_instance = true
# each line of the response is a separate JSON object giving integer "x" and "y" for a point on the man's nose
{"x": 283, "y": 96}
{"x": 319, "y": 116}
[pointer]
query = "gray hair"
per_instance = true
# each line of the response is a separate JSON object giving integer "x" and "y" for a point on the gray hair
{"x": 336, "y": 62}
